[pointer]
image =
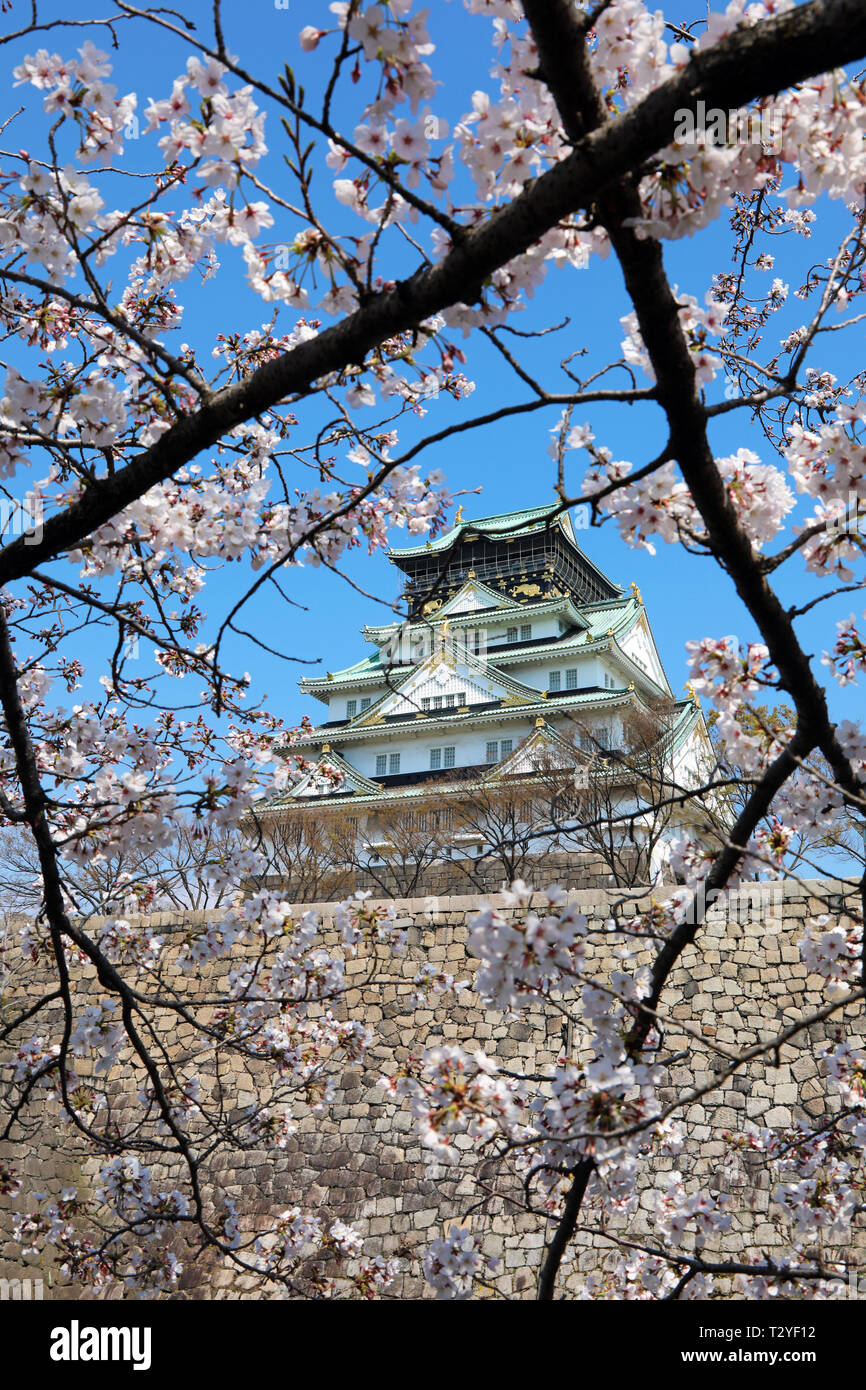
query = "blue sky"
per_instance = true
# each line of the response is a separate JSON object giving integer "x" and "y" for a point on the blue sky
{"x": 686, "y": 597}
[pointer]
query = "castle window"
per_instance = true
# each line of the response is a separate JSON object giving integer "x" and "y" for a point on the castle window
{"x": 511, "y": 634}
{"x": 506, "y": 746}
{"x": 394, "y": 763}
{"x": 381, "y": 764}
{"x": 492, "y": 755}
{"x": 425, "y": 703}
{"x": 365, "y": 703}
{"x": 442, "y": 757}
{"x": 571, "y": 679}
{"x": 460, "y": 697}
{"x": 554, "y": 680}
{"x": 351, "y": 709}
{"x": 437, "y": 701}
{"x": 450, "y": 701}
{"x": 525, "y": 632}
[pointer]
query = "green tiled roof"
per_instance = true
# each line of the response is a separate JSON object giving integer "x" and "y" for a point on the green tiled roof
{"x": 368, "y": 666}
{"x": 615, "y": 613}
{"x": 689, "y": 714}
{"x": 514, "y": 523}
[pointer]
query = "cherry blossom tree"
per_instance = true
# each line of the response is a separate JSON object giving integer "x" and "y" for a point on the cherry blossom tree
{"x": 141, "y": 461}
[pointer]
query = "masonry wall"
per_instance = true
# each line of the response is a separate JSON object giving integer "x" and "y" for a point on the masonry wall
{"x": 362, "y": 1161}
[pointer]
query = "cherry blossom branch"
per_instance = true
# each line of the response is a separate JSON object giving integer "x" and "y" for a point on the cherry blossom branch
{"x": 810, "y": 39}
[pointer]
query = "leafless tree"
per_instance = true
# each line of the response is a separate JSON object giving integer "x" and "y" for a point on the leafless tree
{"x": 394, "y": 851}
{"x": 496, "y": 824}
{"x": 626, "y": 796}
{"x": 303, "y": 849}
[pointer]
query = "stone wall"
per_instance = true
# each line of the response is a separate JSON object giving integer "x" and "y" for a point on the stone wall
{"x": 739, "y": 985}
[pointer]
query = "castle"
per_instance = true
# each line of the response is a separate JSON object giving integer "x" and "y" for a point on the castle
{"x": 517, "y": 656}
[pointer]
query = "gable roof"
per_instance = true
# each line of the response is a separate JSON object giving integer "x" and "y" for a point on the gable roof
{"x": 543, "y": 735}
{"x": 307, "y": 787}
{"x": 481, "y": 676}
{"x": 473, "y": 597}
{"x": 637, "y": 643}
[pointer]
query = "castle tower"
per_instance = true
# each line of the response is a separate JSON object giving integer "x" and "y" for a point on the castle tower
{"x": 515, "y": 647}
